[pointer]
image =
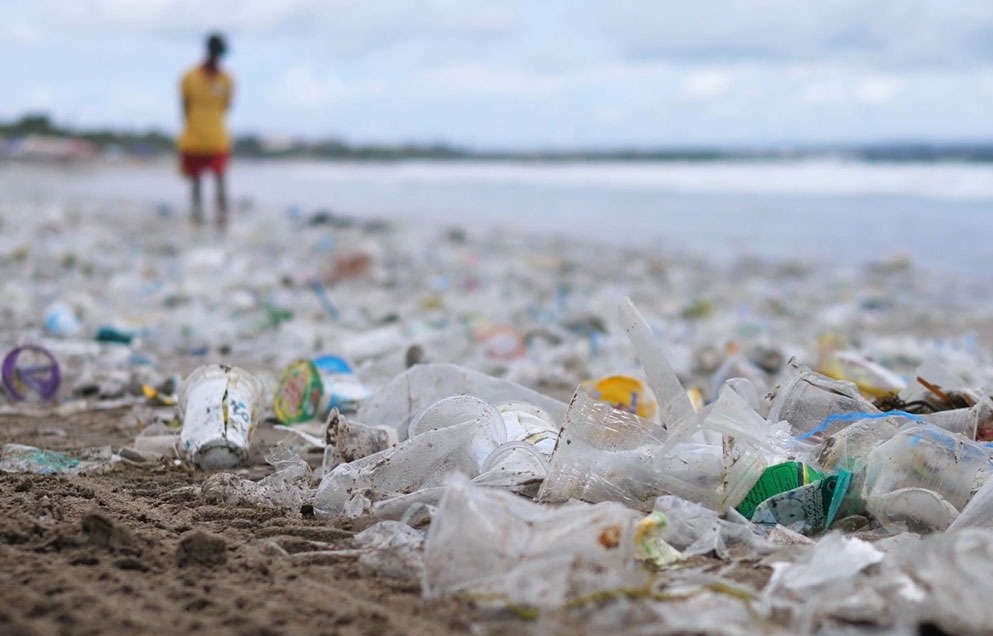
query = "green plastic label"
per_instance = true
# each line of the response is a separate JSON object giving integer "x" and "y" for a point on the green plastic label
{"x": 777, "y": 479}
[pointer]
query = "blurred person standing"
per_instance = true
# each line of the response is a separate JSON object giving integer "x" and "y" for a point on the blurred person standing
{"x": 204, "y": 145}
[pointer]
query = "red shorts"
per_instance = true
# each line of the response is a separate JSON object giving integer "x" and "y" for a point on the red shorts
{"x": 193, "y": 165}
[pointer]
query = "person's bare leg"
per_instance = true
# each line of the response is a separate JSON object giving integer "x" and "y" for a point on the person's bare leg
{"x": 196, "y": 205}
{"x": 222, "y": 203}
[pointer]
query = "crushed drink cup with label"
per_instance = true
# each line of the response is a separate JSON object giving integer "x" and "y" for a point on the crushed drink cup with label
{"x": 219, "y": 407}
{"x": 309, "y": 389}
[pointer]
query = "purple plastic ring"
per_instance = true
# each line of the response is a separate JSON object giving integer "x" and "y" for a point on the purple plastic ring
{"x": 42, "y": 379}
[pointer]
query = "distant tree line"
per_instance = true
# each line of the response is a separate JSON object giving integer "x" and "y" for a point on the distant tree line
{"x": 155, "y": 142}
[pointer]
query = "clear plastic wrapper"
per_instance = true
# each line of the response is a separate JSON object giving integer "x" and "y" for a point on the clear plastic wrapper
{"x": 491, "y": 544}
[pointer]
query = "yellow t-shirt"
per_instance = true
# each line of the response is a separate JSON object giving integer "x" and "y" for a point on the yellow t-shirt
{"x": 208, "y": 96}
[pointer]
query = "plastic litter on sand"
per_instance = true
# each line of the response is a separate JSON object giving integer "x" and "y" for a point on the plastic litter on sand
{"x": 746, "y": 450}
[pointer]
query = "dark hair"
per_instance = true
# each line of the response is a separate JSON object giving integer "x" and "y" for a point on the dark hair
{"x": 216, "y": 45}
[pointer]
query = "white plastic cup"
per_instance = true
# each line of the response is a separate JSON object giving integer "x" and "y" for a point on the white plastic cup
{"x": 219, "y": 406}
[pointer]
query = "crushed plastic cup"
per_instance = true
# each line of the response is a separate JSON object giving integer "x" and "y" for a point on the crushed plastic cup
{"x": 851, "y": 446}
{"x": 603, "y": 454}
{"x": 309, "y": 389}
{"x": 452, "y": 411}
{"x": 417, "y": 463}
{"x": 31, "y": 372}
{"x": 219, "y": 407}
{"x": 949, "y": 467}
{"x": 529, "y": 423}
{"x": 347, "y": 440}
{"x": 516, "y": 466}
{"x": 806, "y": 399}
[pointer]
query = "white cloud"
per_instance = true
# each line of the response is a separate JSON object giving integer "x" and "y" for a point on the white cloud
{"x": 878, "y": 89}
{"x": 38, "y": 98}
{"x": 340, "y": 24}
{"x": 504, "y": 73}
{"x": 706, "y": 84}
{"x": 883, "y": 33}
{"x": 23, "y": 32}
{"x": 303, "y": 88}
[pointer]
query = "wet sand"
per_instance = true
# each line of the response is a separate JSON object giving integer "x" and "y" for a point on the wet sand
{"x": 129, "y": 552}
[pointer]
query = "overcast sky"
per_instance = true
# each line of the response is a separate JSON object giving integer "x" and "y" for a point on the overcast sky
{"x": 521, "y": 74}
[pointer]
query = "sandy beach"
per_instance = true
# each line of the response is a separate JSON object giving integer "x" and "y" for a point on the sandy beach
{"x": 133, "y": 547}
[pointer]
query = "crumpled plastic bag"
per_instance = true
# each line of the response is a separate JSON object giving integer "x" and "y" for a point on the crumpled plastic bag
{"x": 288, "y": 488}
{"x": 922, "y": 477}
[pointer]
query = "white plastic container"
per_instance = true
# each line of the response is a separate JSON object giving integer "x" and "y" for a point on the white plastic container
{"x": 219, "y": 406}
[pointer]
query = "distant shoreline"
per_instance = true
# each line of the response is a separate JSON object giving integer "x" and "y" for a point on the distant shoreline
{"x": 37, "y": 137}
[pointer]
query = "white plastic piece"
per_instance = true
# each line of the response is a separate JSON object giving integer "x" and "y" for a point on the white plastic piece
{"x": 675, "y": 409}
{"x": 219, "y": 406}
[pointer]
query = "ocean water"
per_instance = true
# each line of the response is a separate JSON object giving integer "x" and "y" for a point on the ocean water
{"x": 828, "y": 211}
